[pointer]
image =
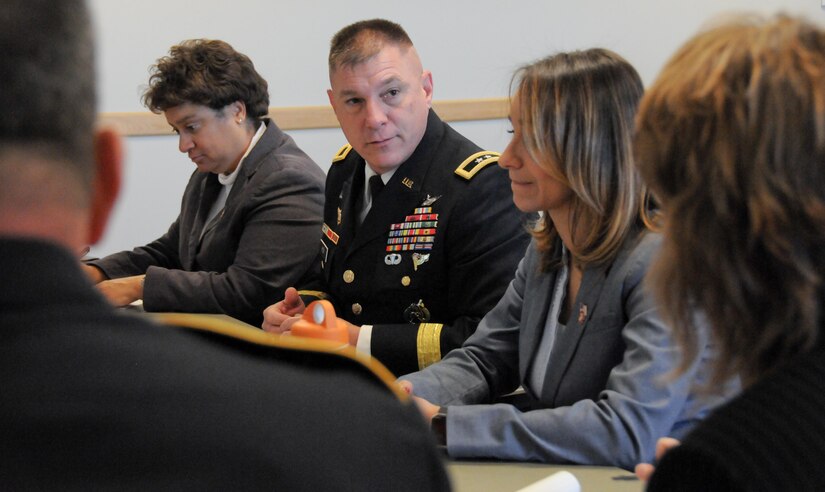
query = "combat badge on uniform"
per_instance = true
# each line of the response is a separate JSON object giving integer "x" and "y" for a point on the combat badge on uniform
{"x": 429, "y": 200}
{"x": 418, "y": 259}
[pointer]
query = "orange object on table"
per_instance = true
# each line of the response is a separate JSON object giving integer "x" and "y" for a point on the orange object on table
{"x": 319, "y": 321}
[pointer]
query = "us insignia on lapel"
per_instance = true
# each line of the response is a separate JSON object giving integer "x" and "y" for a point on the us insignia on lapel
{"x": 582, "y": 314}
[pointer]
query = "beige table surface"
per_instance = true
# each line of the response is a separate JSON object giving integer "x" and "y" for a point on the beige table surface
{"x": 481, "y": 476}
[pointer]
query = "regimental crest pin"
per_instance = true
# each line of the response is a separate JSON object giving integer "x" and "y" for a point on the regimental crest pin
{"x": 417, "y": 313}
{"x": 339, "y": 215}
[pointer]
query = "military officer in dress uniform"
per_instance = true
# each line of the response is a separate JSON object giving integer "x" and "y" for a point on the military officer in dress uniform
{"x": 420, "y": 234}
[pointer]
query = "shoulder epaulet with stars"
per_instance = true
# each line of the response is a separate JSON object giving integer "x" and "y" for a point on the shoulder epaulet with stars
{"x": 342, "y": 153}
{"x": 475, "y": 163}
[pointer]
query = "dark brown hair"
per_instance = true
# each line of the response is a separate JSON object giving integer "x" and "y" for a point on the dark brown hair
{"x": 209, "y": 73}
{"x": 731, "y": 138}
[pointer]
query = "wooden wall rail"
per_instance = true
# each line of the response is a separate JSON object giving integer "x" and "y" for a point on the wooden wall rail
{"x": 309, "y": 117}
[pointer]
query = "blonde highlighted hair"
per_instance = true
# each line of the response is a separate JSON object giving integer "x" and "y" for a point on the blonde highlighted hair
{"x": 577, "y": 119}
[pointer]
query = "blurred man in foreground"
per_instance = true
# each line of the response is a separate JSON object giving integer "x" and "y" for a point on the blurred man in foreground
{"x": 97, "y": 399}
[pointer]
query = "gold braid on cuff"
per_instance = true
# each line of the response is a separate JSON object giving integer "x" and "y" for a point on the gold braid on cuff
{"x": 313, "y": 293}
{"x": 429, "y": 344}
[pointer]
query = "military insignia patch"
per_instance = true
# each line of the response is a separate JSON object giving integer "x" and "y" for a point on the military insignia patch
{"x": 418, "y": 259}
{"x": 342, "y": 153}
{"x": 417, "y": 313}
{"x": 475, "y": 163}
{"x": 330, "y": 234}
{"x": 430, "y": 200}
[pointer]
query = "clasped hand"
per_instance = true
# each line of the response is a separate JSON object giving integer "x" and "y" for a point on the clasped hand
{"x": 279, "y": 317}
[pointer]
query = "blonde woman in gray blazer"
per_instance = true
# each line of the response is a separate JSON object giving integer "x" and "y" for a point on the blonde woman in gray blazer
{"x": 576, "y": 329}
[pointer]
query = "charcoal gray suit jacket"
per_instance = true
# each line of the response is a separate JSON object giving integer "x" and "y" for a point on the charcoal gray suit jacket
{"x": 265, "y": 239}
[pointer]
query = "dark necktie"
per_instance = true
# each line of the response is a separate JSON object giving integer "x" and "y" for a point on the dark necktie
{"x": 376, "y": 185}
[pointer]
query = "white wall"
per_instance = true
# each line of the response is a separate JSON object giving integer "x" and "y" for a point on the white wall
{"x": 471, "y": 46}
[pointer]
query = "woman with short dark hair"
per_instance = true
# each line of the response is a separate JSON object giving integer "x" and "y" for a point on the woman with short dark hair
{"x": 250, "y": 217}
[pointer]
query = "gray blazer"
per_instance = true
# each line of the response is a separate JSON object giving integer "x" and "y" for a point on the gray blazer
{"x": 265, "y": 239}
{"x": 603, "y": 401}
